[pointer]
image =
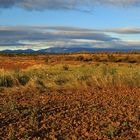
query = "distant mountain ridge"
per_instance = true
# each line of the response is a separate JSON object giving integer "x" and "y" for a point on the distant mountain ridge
{"x": 68, "y": 50}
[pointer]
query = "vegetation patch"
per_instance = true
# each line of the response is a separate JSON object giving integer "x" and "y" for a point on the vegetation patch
{"x": 23, "y": 79}
{"x": 74, "y": 98}
{"x": 6, "y": 81}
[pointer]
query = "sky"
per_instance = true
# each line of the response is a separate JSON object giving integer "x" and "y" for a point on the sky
{"x": 40, "y": 24}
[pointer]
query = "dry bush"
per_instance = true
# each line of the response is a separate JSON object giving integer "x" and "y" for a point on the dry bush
{"x": 66, "y": 67}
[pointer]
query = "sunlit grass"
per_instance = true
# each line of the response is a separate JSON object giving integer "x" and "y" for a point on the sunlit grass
{"x": 74, "y": 75}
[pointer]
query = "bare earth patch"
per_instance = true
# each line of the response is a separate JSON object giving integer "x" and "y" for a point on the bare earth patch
{"x": 71, "y": 114}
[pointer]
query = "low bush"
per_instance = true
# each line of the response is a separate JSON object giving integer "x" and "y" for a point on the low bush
{"x": 128, "y": 59}
{"x": 96, "y": 58}
{"x": 6, "y": 81}
{"x": 23, "y": 79}
{"x": 88, "y": 59}
{"x": 111, "y": 58}
{"x": 80, "y": 58}
{"x": 61, "y": 81}
{"x": 66, "y": 67}
{"x": 47, "y": 60}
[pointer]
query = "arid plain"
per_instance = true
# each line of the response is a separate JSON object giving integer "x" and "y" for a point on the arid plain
{"x": 70, "y": 96}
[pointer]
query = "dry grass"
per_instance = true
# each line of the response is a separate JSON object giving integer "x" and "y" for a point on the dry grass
{"x": 15, "y": 61}
{"x": 61, "y": 100}
{"x": 62, "y": 76}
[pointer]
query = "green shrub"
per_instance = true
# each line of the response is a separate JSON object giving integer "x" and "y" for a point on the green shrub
{"x": 132, "y": 61}
{"x": 6, "y": 81}
{"x": 80, "y": 58}
{"x": 96, "y": 58}
{"x": 111, "y": 133}
{"x": 23, "y": 79}
{"x": 88, "y": 59}
{"x": 41, "y": 85}
{"x": 65, "y": 67}
{"x": 61, "y": 81}
{"x": 128, "y": 59}
{"x": 47, "y": 60}
{"x": 119, "y": 60}
{"x": 111, "y": 58}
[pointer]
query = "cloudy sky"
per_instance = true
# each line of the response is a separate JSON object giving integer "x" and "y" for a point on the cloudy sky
{"x": 40, "y": 24}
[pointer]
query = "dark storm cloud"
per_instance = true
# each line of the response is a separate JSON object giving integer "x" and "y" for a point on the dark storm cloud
{"x": 36, "y": 37}
{"x": 16, "y": 34}
{"x": 80, "y": 35}
{"x": 64, "y": 4}
{"x": 7, "y": 3}
{"x": 85, "y": 44}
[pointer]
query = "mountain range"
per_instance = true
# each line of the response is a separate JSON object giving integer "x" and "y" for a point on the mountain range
{"x": 68, "y": 50}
